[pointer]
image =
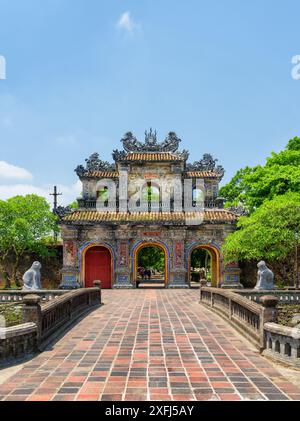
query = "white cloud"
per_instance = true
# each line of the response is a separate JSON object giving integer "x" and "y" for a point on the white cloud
{"x": 127, "y": 23}
{"x": 9, "y": 171}
{"x": 7, "y": 191}
{"x": 70, "y": 193}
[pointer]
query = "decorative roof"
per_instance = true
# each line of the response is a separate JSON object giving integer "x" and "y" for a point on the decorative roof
{"x": 150, "y": 151}
{"x": 207, "y": 163}
{"x": 154, "y": 157}
{"x": 101, "y": 174}
{"x": 151, "y": 146}
{"x": 202, "y": 174}
{"x": 94, "y": 216}
{"x": 94, "y": 164}
{"x": 149, "y": 158}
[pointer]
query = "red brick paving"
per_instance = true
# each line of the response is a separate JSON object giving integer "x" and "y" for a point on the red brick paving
{"x": 149, "y": 345}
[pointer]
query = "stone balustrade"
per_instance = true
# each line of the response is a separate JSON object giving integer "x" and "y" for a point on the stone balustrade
{"x": 17, "y": 341}
{"x": 254, "y": 314}
{"x": 45, "y": 320}
{"x": 282, "y": 344}
{"x": 244, "y": 315}
{"x": 284, "y": 296}
{"x": 17, "y": 296}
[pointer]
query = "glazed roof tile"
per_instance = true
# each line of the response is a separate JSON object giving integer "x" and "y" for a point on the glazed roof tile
{"x": 94, "y": 216}
{"x": 202, "y": 174}
{"x": 115, "y": 174}
{"x": 102, "y": 174}
{"x": 154, "y": 157}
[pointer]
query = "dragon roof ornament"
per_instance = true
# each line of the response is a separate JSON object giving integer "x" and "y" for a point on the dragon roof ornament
{"x": 94, "y": 163}
{"x": 207, "y": 163}
{"x": 151, "y": 144}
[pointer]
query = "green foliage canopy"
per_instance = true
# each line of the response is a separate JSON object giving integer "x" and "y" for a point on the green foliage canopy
{"x": 250, "y": 187}
{"x": 268, "y": 233}
{"x": 26, "y": 222}
{"x": 151, "y": 258}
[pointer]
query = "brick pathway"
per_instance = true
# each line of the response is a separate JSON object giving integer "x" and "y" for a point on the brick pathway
{"x": 149, "y": 345}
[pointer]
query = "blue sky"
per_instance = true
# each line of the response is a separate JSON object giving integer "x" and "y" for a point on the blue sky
{"x": 80, "y": 73}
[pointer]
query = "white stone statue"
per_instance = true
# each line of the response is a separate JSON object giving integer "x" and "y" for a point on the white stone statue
{"x": 265, "y": 277}
{"x": 32, "y": 278}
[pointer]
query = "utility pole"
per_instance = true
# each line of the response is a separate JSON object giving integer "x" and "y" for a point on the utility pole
{"x": 55, "y": 195}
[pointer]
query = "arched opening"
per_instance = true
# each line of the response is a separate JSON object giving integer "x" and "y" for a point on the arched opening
{"x": 98, "y": 266}
{"x": 151, "y": 266}
{"x": 201, "y": 267}
{"x": 287, "y": 350}
{"x": 151, "y": 196}
{"x": 103, "y": 196}
{"x": 204, "y": 263}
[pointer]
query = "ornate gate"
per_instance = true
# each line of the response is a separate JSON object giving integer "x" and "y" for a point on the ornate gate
{"x": 98, "y": 267}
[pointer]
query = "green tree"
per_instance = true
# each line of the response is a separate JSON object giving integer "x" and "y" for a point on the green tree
{"x": 250, "y": 187}
{"x": 73, "y": 205}
{"x": 151, "y": 257}
{"x": 150, "y": 193}
{"x": 26, "y": 222}
{"x": 268, "y": 234}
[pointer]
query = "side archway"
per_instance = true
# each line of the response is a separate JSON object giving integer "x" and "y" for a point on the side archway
{"x": 97, "y": 263}
{"x": 215, "y": 255}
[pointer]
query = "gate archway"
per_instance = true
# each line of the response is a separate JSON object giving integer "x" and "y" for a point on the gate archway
{"x": 215, "y": 262}
{"x": 138, "y": 249}
{"x": 97, "y": 265}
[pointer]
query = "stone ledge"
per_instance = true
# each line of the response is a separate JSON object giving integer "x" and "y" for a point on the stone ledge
{"x": 282, "y": 330}
{"x": 282, "y": 359}
{"x": 19, "y": 330}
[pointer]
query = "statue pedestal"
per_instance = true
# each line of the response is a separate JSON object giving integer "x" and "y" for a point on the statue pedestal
{"x": 69, "y": 279}
{"x": 231, "y": 276}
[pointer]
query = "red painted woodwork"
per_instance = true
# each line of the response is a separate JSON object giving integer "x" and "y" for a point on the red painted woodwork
{"x": 98, "y": 267}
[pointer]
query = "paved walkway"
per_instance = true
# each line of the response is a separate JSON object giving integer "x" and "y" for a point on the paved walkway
{"x": 150, "y": 345}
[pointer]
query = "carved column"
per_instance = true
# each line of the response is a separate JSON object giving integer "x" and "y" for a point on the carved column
{"x": 122, "y": 278}
{"x": 178, "y": 272}
{"x": 70, "y": 272}
{"x": 32, "y": 313}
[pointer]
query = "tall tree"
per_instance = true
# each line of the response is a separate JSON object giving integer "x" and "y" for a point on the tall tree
{"x": 151, "y": 258}
{"x": 268, "y": 234}
{"x": 25, "y": 223}
{"x": 250, "y": 187}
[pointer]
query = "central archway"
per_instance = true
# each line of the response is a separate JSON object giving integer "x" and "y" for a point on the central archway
{"x": 151, "y": 265}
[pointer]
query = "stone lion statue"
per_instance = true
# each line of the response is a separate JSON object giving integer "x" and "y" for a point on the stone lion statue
{"x": 32, "y": 278}
{"x": 265, "y": 277}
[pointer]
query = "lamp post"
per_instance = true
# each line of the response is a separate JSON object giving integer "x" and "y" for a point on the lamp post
{"x": 296, "y": 236}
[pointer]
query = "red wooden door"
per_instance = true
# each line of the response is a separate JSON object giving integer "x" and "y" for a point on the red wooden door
{"x": 98, "y": 267}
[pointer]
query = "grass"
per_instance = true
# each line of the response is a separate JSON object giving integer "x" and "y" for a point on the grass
{"x": 11, "y": 313}
{"x": 286, "y": 313}
{"x": 13, "y": 286}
